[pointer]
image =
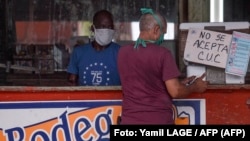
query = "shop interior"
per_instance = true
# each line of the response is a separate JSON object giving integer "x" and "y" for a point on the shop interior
{"x": 37, "y": 36}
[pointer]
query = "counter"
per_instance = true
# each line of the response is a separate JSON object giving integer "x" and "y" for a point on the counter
{"x": 81, "y": 113}
{"x": 228, "y": 104}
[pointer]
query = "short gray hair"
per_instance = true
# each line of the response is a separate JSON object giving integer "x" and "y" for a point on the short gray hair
{"x": 147, "y": 21}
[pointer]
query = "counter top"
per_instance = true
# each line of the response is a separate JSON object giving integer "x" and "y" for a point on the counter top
{"x": 58, "y": 88}
{"x": 102, "y": 88}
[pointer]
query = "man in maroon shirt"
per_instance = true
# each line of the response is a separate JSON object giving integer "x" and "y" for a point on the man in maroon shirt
{"x": 149, "y": 75}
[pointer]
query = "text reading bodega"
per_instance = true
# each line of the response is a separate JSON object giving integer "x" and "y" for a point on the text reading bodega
{"x": 179, "y": 132}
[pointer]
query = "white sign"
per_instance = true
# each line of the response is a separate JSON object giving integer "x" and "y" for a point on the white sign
{"x": 75, "y": 120}
{"x": 207, "y": 47}
{"x": 193, "y": 109}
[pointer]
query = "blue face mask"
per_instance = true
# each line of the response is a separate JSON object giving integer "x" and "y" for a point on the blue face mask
{"x": 160, "y": 39}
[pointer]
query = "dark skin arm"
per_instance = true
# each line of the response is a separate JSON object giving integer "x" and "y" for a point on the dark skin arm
{"x": 73, "y": 79}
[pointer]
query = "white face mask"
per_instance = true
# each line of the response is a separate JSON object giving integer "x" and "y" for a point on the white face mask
{"x": 104, "y": 36}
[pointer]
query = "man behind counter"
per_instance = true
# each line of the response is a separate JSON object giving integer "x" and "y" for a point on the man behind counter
{"x": 95, "y": 63}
